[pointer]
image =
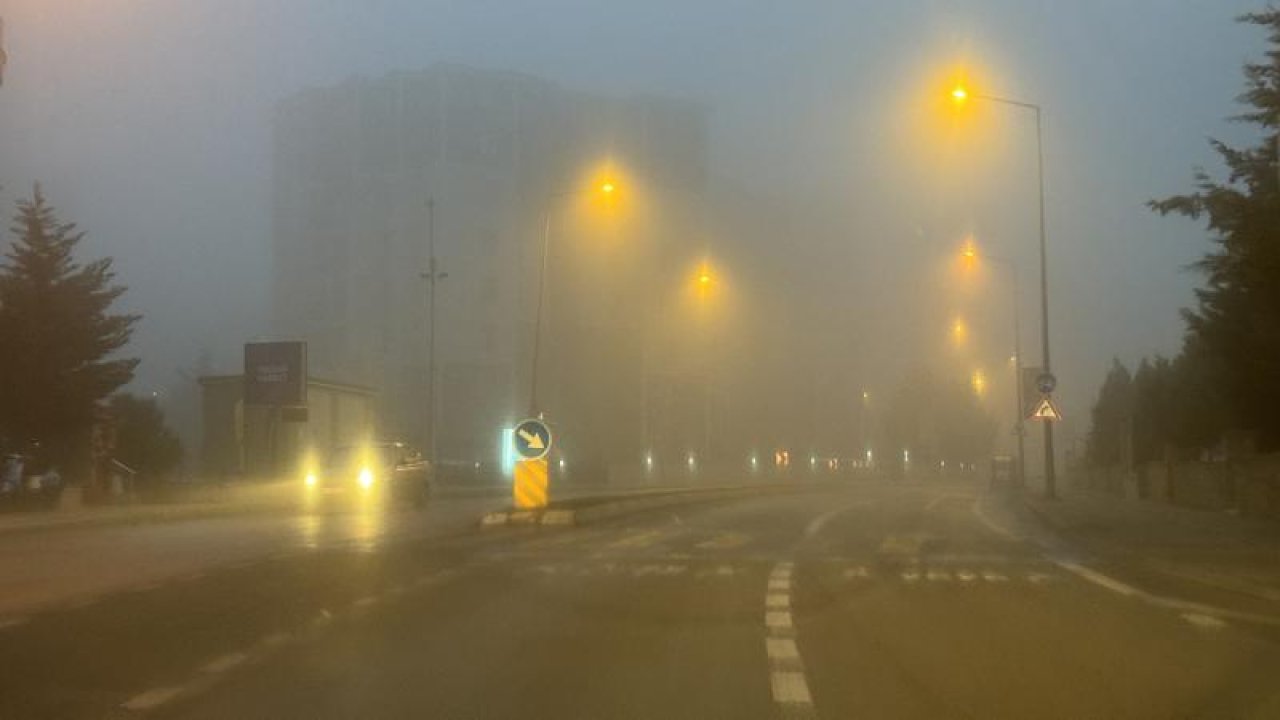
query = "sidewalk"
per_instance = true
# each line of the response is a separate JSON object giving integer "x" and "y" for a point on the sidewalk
{"x": 1209, "y": 556}
{"x": 71, "y": 512}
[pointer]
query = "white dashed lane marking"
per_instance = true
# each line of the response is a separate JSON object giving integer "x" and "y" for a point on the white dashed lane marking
{"x": 781, "y": 649}
{"x": 790, "y": 688}
{"x": 787, "y": 682}
{"x": 777, "y": 620}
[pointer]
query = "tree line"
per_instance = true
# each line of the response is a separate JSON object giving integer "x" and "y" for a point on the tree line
{"x": 1224, "y": 379}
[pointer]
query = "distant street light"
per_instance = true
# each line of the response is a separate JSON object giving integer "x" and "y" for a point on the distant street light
{"x": 970, "y": 252}
{"x": 961, "y": 95}
{"x": 979, "y": 382}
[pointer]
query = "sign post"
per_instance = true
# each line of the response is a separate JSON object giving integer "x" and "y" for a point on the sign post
{"x": 532, "y": 441}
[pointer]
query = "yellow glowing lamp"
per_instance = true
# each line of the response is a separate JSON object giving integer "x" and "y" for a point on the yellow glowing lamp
{"x": 959, "y": 94}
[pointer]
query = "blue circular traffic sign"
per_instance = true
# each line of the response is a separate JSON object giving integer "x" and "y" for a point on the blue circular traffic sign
{"x": 1046, "y": 383}
{"x": 532, "y": 439}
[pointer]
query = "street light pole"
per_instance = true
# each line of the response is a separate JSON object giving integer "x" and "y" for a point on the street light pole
{"x": 1050, "y": 480}
{"x": 1050, "y": 477}
{"x": 1018, "y": 427}
{"x": 537, "y": 321}
{"x": 431, "y": 276}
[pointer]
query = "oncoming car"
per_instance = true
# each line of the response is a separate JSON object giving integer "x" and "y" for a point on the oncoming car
{"x": 385, "y": 471}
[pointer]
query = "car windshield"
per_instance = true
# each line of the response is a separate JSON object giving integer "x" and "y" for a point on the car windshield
{"x": 524, "y": 359}
{"x": 353, "y": 455}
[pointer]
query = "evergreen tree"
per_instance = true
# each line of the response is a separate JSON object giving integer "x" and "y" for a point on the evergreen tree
{"x": 1112, "y": 418}
{"x": 57, "y": 334}
{"x": 1237, "y": 318}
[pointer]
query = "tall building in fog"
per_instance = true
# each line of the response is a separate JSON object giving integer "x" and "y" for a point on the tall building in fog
{"x": 354, "y": 167}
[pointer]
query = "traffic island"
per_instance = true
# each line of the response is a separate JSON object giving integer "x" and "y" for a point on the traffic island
{"x": 591, "y": 509}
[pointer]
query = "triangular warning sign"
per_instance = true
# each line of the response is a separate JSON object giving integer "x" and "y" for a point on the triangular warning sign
{"x": 1046, "y": 410}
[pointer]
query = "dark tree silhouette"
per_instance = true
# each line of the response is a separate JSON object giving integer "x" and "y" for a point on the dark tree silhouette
{"x": 58, "y": 337}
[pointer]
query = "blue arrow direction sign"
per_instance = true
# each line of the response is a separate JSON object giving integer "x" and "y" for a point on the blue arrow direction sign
{"x": 532, "y": 439}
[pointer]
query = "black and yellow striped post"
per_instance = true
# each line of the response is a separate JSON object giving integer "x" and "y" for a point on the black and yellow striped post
{"x": 530, "y": 487}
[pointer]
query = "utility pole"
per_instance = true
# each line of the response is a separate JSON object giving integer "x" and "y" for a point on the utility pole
{"x": 431, "y": 276}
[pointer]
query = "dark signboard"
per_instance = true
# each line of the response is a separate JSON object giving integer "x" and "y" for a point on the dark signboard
{"x": 275, "y": 374}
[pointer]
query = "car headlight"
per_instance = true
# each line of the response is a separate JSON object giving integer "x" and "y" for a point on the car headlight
{"x": 311, "y": 480}
{"x": 365, "y": 478}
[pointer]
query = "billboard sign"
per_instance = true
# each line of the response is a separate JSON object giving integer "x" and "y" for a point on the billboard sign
{"x": 275, "y": 374}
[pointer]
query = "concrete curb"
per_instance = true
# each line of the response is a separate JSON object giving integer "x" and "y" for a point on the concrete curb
{"x": 611, "y": 506}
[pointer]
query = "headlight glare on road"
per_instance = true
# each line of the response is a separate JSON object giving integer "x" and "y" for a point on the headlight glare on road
{"x": 365, "y": 478}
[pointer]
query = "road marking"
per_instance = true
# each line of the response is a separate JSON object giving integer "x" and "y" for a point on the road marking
{"x": 1204, "y": 621}
{"x": 965, "y": 576}
{"x": 816, "y": 525}
{"x": 152, "y": 698}
{"x": 223, "y": 663}
{"x": 994, "y": 577}
{"x": 781, "y": 649}
{"x": 787, "y": 680}
{"x": 643, "y": 570}
{"x": 365, "y": 602}
{"x": 639, "y": 540}
{"x": 1125, "y": 589}
{"x": 725, "y": 541}
{"x": 943, "y": 498}
{"x": 1036, "y": 578}
{"x": 1098, "y": 578}
{"x": 911, "y": 575}
{"x": 724, "y": 570}
{"x": 276, "y": 639}
{"x": 790, "y": 688}
{"x": 856, "y": 572}
{"x": 777, "y": 619}
{"x": 938, "y": 576}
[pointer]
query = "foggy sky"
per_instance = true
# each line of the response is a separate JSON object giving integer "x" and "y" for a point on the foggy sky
{"x": 149, "y": 123}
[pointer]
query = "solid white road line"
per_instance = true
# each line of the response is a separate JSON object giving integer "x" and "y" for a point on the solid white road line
{"x": 1098, "y": 578}
{"x": 1204, "y": 621}
{"x": 223, "y": 663}
{"x": 152, "y": 698}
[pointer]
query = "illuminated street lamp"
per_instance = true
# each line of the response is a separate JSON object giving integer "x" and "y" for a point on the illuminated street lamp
{"x": 960, "y": 95}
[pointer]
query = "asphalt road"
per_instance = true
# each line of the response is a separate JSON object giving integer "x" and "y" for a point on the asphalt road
{"x": 871, "y": 600}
